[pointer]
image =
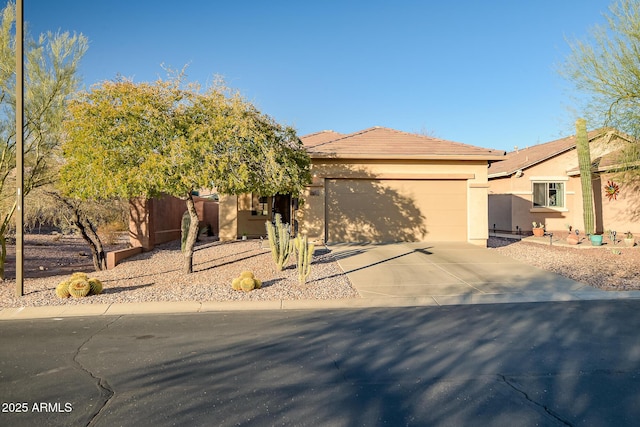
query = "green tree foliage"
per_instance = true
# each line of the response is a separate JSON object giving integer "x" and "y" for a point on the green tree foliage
{"x": 51, "y": 64}
{"x": 606, "y": 67}
{"x": 126, "y": 139}
{"x": 584, "y": 162}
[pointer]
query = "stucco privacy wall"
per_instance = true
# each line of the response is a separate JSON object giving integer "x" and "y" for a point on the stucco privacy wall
{"x": 157, "y": 220}
{"x": 470, "y": 176}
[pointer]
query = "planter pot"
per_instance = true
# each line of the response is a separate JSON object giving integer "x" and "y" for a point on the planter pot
{"x": 596, "y": 239}
{"x": 629, "y": 242}
{"x": 572, "y": 239}
{"x": 538, "y": 232}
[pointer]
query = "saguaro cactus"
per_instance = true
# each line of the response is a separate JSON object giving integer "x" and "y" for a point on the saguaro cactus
{"x": 279, "y": 241}
{"x": 304, "y": 254}
{"x": 184, "y": 230}
{"x": 584, "y": 161}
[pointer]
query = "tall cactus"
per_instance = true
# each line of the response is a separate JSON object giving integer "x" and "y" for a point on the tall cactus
{"x": 304, "y": 254}
{"x": 584, "y": 161}
{"x": 279, "y": 241}
{"x": 184, "y": 229}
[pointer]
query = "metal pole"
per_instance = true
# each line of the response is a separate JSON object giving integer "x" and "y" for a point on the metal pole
{"x": 19, "y": 147}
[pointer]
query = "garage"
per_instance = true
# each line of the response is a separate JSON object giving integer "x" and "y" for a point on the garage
{"x": 395, "y": 210}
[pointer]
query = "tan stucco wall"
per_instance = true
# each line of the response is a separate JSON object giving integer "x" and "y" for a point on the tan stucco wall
{"x": 621, "y": 214}
{"x": 312, "y": 215}
{"x": 517, "y": 213}
{"x": 228, "y": 217}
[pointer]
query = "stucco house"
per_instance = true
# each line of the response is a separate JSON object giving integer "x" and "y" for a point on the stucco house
{"x": 542, "y": 184}
{"x": 377, "y": 185}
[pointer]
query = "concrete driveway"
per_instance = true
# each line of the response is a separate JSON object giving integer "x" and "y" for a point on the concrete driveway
{"x": 450, "y": 273}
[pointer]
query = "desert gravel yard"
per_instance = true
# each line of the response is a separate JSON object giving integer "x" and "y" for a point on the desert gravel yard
{"x": 158, "y": 276}
{"x": 612, "y": 268}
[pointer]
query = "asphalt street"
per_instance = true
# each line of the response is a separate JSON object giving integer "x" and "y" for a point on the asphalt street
{"x": 545, "y": 364}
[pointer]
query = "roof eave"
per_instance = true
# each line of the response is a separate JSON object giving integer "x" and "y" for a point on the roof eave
{"x": 358, "y": 156}
{"x": 499, "y": 175}
{"x": 609, "y": 168}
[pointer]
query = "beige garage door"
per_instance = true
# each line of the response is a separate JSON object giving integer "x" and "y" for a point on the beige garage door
{"x": 369, "y": 210}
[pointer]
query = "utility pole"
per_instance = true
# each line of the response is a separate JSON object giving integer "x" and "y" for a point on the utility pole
{"x": 19, "y": 147}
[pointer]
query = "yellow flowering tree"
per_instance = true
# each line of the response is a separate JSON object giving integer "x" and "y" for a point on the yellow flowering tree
{"x": 126, "y": 139}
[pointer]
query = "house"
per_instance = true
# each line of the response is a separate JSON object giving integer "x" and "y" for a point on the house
{"x": 377, "y": 185}
{"x": 542, "y": 184}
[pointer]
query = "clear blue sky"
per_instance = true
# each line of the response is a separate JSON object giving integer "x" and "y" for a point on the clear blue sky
{"x": 477, "y": 72}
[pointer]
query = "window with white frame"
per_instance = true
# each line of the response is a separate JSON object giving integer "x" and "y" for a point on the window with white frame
{"x": 548, "y": 194}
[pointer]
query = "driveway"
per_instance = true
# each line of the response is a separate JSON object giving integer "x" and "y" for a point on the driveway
{"x": 450, "y": 273}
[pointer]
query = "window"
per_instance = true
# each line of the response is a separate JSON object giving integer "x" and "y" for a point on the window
{"x": 259, "y": 205}
{"x": 548, "y": 194}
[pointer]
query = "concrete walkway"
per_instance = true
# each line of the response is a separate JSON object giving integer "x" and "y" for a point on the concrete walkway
{"x": 387, "y": 275}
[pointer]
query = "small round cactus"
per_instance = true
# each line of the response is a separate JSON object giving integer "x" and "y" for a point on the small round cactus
{"x": 79, "y": 275}
{"x": 79, "y": 288}
{"x": 95, "y": 286}
{"x": 62, "y": 290}
{"x": 247, "y": 274}
{"x": 247, "y": 284}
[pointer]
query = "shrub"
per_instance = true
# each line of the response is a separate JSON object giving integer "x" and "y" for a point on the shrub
{"x": 109, "y": 232}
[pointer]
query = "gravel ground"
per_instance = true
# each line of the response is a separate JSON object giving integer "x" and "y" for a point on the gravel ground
{"x": 598, "y": 267}
{"x": 158, "y": 276}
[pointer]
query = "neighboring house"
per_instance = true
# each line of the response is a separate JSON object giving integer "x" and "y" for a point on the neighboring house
{"x": 377, "y": 185}
{"x": 542, "y": 184}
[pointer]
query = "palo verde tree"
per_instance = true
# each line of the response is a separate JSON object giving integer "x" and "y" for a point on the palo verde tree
{"x": 51, "y": 64}
{"x": 606, "y": 67}
{"x": 126, "y": 139}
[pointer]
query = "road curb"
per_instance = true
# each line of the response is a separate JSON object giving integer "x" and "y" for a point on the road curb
{"x": 183, "y": 307}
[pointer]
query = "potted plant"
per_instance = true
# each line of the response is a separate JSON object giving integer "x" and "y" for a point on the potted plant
{"x": 596, "y": 239}
{"x": 538, "y": 229}
{"x": 628, "y": 239}
{"x": 573, "y": 238}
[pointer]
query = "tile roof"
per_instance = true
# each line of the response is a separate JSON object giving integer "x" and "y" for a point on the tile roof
{"x": 384, "y": 143}
{"x": 321, "y": 137}
{"x": 527, "y": 157}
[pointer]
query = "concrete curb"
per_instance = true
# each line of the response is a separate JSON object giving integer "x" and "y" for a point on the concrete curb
{"x": 182, "y": 307}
